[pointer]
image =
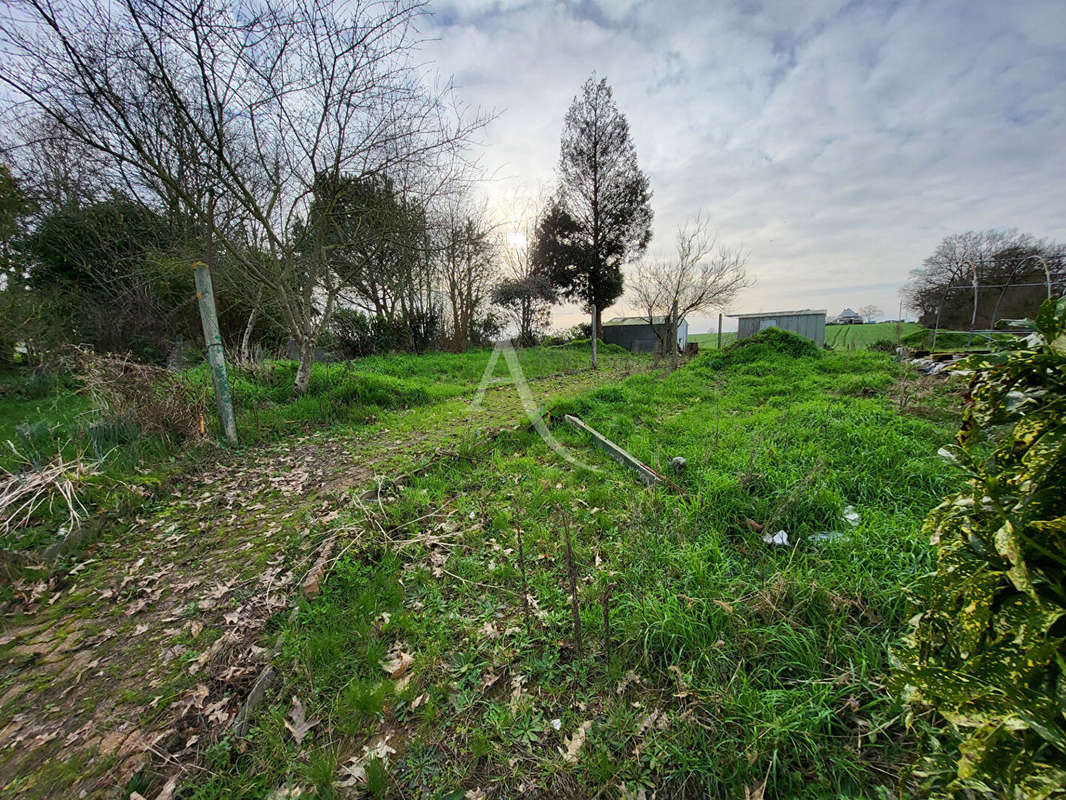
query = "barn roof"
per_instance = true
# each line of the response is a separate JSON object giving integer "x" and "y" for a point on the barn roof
{"x": 761, "y": 314}
{"x": 659, "y": 319}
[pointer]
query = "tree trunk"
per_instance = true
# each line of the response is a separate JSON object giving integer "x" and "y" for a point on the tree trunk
{"x": 595, "y": 334}
{"x": 307, "y": 361}
{"x": 246, "y": 339}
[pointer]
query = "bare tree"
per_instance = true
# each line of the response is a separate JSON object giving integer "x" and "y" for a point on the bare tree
{"x": 467, "y": 269}
{"x": 248, "y": 116}
{"x": 525, "y": 293}
{"x": 946, "y": 288}
{"x": 870, "y": 312}
{"x": 703, "y": 275}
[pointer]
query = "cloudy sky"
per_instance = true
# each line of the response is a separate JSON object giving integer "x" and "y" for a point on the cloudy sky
{"x": 837, "y": 142}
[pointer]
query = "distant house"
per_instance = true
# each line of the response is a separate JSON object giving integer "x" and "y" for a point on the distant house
{"x": 637, "y": 335}
{"x": 848, "y": 317}
{"x": 806, "y": 322}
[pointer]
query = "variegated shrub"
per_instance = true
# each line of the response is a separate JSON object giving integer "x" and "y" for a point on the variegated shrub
{"x": 987, "y": 649}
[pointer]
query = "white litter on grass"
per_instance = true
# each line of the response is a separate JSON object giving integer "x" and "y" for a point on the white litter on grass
{"x": 780, "y": 538}
{"x": 851, "y": 515}
{"x": 825, "y": 536}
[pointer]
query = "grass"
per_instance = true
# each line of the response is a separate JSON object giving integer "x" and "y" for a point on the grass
{"x": 42, "y": 417}
{"x": 709, "y": 341}
{"x": 858, "y": 337}
{"x": 724, "y": 666}
{"x": 357, "y": 392}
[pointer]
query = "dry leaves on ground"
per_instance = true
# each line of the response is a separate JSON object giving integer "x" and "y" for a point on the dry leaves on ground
{"x": 576, "y": 742}
{"x": 297, "y": 723}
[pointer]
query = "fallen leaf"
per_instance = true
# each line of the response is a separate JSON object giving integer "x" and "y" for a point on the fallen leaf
{"x": 627, "y": 679}
{"x": 167, "y": 792}
{"x": 437, "y": 559}
{"x": 355, "y": 768}
{"x": 297, "y": 723}
{"x": 576, "y": 742}
{"x": 397, "y": 662}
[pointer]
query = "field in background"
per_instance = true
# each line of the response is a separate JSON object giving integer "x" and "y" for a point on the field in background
{"x": 709, "y": 341}
{"x": 858, "y": 337}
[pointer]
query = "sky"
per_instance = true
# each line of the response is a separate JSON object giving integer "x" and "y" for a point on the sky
{"x": 837, "y": 143}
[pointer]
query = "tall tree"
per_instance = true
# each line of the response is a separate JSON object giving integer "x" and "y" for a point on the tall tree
{"x": 467, "y": 270}
{"x": 601, "y": 217}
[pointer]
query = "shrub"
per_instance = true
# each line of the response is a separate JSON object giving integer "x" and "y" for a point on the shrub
{"x": 770, "y": 343}
{"x": 151, "y": 398}
{"x": 884, "y": 346}
{"x": 988, "y": 650}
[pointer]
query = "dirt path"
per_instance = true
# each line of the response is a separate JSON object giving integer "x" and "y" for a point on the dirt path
{"x": 114, "y": 675}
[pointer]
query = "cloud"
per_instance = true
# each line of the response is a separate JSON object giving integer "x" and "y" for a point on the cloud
{"x": 837, "y": 142}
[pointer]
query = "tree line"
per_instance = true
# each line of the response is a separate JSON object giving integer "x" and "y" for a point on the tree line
{"x": 299, "y": 151}
{"x": 980, "y": 277}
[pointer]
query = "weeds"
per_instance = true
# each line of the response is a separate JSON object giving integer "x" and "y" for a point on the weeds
{"x": 710, "y": 664}
{"x": 59, "y": 482}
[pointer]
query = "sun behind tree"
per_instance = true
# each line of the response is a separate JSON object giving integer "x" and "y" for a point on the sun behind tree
{"x": 601, "y": 215}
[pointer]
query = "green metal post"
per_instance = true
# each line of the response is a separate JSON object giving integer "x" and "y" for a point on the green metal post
{"x": 215, "y": 356}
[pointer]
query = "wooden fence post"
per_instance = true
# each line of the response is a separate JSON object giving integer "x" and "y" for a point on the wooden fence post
{"x": 216, "y": 358}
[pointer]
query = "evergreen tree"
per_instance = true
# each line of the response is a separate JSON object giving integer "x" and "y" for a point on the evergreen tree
{"x": 601, "y": 217}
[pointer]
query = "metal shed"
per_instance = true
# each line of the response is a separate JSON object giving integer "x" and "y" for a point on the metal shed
{"x": 806, "y": 322}
{"x": 635, "y": 334}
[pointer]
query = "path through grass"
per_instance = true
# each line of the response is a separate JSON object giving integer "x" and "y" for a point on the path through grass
{"x": 709, "y": 663}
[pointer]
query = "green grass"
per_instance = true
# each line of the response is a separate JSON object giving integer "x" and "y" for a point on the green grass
{"x": 729, "y": 662}
{"x": 858, "y": 337}
{"x": 357, "y": 392}
{"x": 709, "y": 341}
{"x": 43, "y": 417}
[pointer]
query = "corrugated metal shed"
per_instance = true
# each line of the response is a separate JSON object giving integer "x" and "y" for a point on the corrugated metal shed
{"x": 635, "y": 334}
{"x": 806, "y": 322}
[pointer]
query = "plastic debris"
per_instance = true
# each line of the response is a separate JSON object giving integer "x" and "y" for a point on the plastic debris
{"x": 851, "y": 516}
{"x": 677, "y": 463}
{"x": 825, "y": 536}
{"x": 780, "y": 539}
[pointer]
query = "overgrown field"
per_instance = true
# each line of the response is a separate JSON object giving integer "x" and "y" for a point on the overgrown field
{"x": 704, "y": 660}
{"x": 44, "y": 416}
